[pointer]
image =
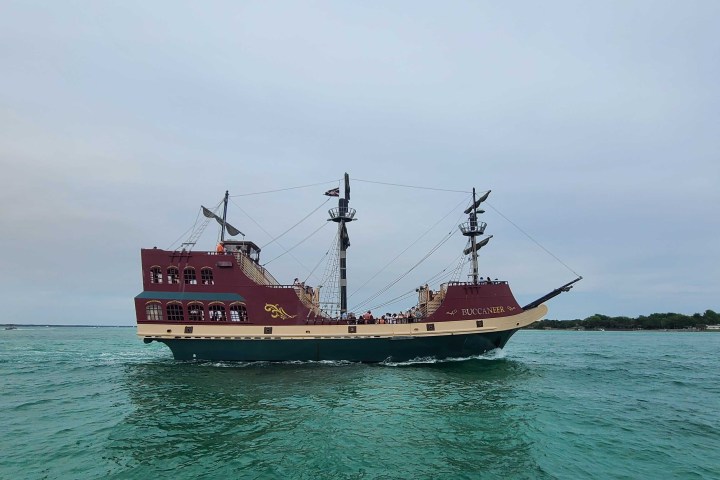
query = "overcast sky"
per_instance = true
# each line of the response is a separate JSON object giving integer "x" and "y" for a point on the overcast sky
{"x": 595, "y": 124}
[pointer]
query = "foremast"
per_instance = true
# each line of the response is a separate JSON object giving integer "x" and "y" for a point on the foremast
{"x": 342, "y": 215}
{"x": 473, "y": 229}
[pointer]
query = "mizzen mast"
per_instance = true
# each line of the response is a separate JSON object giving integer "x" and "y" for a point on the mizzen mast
{"x": 342, "y": 215}
{"x": 474, "y": 229}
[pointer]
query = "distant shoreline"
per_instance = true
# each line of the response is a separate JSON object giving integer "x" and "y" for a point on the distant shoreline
{"x": 709, "y": 320}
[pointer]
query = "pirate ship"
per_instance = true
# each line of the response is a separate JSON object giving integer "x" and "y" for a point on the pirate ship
{"x": 225, "y": 305}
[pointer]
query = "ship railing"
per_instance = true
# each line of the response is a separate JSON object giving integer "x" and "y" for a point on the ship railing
{"x": 481, "y": 281}
{"x": 253, "y": 271}
{"x": 472, "y": 228}
{"x": 309, "y": 297}
{"x": 434, "y": 301}
{"x": 345, "y": 213}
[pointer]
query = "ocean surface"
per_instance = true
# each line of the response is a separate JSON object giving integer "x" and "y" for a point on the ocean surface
{"x": 81, "y": 403}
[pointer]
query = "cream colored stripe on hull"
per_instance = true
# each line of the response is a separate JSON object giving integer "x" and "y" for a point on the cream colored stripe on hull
{"x": 299, "y": 332}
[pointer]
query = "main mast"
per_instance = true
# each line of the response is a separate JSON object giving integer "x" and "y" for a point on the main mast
{"x": 342, "y": 215}
{"x": 224, "y": 219}
{"x": 474, "y": 229}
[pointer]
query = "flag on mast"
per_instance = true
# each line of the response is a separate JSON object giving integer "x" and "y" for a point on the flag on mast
{"x": 335, "y": 192}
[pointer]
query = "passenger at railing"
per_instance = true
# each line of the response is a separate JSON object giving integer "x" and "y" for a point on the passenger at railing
{"x": 220, "y": 247}
{"x": 296, "y": 282}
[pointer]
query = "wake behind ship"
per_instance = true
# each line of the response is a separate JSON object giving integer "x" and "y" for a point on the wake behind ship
{"x": 223, "y": 305}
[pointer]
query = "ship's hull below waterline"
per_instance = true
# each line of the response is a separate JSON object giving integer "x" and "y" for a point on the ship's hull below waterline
{"x": 394, "y": 349}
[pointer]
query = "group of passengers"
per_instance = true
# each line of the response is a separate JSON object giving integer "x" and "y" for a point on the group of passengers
{"x": 410, "y": 316}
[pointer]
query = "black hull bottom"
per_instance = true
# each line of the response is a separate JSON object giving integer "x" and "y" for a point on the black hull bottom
{"x": 353, "y": 350}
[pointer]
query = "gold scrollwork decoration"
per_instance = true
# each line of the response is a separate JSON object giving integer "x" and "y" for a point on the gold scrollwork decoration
{"x": 276, "y": 311}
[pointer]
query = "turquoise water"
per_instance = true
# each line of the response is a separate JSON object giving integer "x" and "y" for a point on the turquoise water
{"x": 98, "y": 403}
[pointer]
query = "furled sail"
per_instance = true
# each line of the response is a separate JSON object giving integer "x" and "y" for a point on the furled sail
{"x": 477, "y": 202}
{"x": 344, "y": 237}
{"x": 478, "y": 246}
{"x": 230, "y": 229}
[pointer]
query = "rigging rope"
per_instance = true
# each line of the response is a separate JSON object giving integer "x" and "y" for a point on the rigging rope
{"x": 329, "y": 298}
{"x": 269, "y": 235}
{"x": 393, "y": 300}
{"x": 284, "y": 189}
{"x": 332, "y": 247}
{"x": 298, "y": 244}
{"x": 406, "y": 249}
{"x": 532, "y": 239}
{"x": 393, "y": 283}
{"x": 298, "y": 223}
{"x": 411, "y": 186}
{"x": 192, "y": 227}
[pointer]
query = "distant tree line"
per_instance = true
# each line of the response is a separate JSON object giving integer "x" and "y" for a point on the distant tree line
{"x": 655, "y": 321}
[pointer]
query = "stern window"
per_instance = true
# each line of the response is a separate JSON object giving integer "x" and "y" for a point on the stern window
{"x": 238, "y": 313}
{"x": 153, "y": 312}
{"x": 196, "y": 312}
{"x": 175, "y": 312}
{"x": 217, "y": 312}
{"x": 173, "y": 275}
{"x": 206, "y": 275}
{"x": 155, "y": 275}
{"x": 189, "y": 274}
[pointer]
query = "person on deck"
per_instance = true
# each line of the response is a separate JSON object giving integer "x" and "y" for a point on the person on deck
{"x": 220, "y": 247}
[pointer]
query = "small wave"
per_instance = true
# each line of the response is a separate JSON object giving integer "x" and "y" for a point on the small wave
{"x": 496, "y": 354}
{"x": 263, "y": 364}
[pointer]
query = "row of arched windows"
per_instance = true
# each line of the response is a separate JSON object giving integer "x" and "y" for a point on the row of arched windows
{"x": 196, "y": 312}
{"x": 172, "y": 275}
